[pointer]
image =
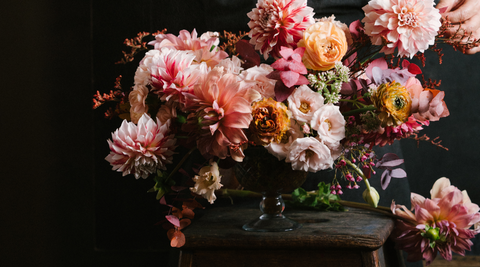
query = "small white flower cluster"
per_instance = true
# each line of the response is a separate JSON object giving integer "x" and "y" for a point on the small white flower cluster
{"x": 329, "y": 83}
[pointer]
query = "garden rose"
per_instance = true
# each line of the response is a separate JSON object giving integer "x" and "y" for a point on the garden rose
{"x": 309, "y": 154}
{"x": 328, "y": 121}
{"x": 303, "y": 102}
{"x": 325, "y": 43}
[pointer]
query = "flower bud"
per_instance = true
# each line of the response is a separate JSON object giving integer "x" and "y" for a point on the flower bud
{"x": 370, "y": 195}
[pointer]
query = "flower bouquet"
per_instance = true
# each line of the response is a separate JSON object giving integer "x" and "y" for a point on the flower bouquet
{"x": 314, "y": 93}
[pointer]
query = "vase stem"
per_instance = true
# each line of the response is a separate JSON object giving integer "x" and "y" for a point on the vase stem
{"x": 272, "y": 219}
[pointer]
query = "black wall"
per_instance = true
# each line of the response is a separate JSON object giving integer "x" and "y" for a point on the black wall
{"x": 60, "y": 204}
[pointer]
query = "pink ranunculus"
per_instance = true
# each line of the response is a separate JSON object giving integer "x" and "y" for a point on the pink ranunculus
{"x": 141, "y": 149}
{"x": 329, "y": 122}
{"x": 309, "y": 154}
{"x": 257, "y": 77}
{"x": 427, "y": 104}
{"x": 204, "y": 48}
{"x": 277, "y": 23}
{"x": 223, "y": 110}
{"x": 304, "y": 102}
{"x": 280, "y": 150}
{"x": 440, "y": 224}
{"x": 409, "y": 25}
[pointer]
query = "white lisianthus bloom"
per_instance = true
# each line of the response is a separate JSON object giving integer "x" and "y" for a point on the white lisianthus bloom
{"x": 207, "y": 181}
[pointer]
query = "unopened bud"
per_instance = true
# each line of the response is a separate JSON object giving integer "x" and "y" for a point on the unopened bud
{"x": 371, "y": 196}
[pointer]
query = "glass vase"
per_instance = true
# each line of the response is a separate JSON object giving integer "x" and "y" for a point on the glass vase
{"x": 262, "y": 172}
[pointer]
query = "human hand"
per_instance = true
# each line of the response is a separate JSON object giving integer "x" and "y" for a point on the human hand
{"x": 464, "y": 13}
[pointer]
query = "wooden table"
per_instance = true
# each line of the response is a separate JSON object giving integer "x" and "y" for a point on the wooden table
{"x": 352, "y": 238}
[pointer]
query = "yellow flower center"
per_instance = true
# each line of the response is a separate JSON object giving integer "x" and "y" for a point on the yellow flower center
{"x": 329, "y": 123}
{"x": 304, "y": 107}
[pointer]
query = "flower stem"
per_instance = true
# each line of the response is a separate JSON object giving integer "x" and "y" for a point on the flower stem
{"x": 181, "y": 162}
{"x": 360, "y": 110}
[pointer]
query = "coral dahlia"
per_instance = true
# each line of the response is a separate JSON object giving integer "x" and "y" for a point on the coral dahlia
{"x": 409, "y": 25}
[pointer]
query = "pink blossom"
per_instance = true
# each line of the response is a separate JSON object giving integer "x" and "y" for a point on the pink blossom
{"x": 440, "y": 224}
{"x": 141, "y": 149}
{"x": 172, "y": 73}
{"x": 223, "y": 109}
{"x": 167, "y": 111}
{"x": 427, "y": 104}
{"x": 204, "y": 48}
{"x": 304, "y": 102}
{"x": 309, "y": 154}
{"x": 277, "y": 23}
{"x": 257, "y": 78}
{"x": 409, "y": 25}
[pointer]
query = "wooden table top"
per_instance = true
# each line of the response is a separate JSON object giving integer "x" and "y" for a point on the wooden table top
{"x": 221, "y": 228}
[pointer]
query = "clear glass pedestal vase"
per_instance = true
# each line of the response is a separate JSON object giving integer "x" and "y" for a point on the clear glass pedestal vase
{"x": 272, "y": 218}
{"x": 262, "y": 172}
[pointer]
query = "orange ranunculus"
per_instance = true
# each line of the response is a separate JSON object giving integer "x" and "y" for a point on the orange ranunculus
{"x": 271, "y": 120}
{"x": 325, "y": 43}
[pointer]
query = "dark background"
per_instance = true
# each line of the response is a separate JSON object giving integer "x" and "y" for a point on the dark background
{"x": 61, "y": 205}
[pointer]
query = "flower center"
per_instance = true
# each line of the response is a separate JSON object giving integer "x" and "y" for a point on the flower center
{"x": 304, "y": 107}
{"x": 265, "y": 19}
{"x": 407, "y": 18}
{"x": 329, "y": 123}
{"x": 309, "y": 153}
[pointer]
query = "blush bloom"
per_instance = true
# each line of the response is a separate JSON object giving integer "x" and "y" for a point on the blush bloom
{"x": 277, "y": 23}
{"x": 303, "y": 103}
{"x": 141, "y": 149}
{"x": 310, "y": 155}
{"x": 440, "y": 224}
{"x": 204, "y": 48}
{"x": 427, "y": 104}
{"x": 328, "y": 121}
{"x": 409, "y": 25}
{"x": 222, "y": 109}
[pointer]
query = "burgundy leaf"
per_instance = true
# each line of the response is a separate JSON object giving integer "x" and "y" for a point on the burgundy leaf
{"x": 282, "y": 92}
{"x": 247, "y": 52}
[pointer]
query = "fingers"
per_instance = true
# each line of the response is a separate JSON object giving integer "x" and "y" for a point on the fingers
{"x": 449, "y": 4}
{"x": 463, "y": 11}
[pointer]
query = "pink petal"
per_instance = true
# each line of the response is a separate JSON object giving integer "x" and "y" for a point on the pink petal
{"x": 289, "y": 78}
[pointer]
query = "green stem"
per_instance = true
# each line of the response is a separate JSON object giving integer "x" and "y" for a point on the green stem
{"x": 360, "y": 110}
{"x": 181, "y": 162}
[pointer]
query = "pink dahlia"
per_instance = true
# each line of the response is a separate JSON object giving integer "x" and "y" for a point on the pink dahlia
{"x": 440, "y": 224}
{"x": 204, "y": 48}
{"x": 141, "y": 149}
{"x": 277, "y": 23}
{"x": 223, "y": 111}
{"x": 172, "y": 73}
{"x": 409, "y": 25}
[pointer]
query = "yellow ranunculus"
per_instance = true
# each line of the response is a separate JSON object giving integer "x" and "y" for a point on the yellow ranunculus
{"x": 325, "y": 43}
{"x": 394, "y": 103}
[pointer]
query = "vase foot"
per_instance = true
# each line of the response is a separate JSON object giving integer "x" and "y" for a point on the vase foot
{"x": 271, "y": 223}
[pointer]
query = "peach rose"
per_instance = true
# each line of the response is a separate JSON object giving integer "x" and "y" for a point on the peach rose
{"x": 325, "y": 43}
